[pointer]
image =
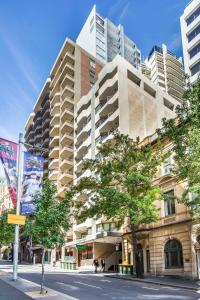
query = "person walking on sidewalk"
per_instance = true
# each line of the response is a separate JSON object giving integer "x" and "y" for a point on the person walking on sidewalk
{"x": 96, "y": 264}
{"x": 103, "y": 265}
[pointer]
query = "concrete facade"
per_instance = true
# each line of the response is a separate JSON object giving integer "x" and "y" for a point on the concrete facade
{"x": 190, "y": 30}
{"x": 104, "y": 40}
{"x": 165, "y": 70}
{"x": 122, "y": 99}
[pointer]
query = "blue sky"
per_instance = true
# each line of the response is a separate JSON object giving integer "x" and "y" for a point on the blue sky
{"x": 32, "y": 32}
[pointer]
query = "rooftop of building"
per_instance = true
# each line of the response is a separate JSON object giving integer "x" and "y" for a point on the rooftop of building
{"x": 160, "y": 50}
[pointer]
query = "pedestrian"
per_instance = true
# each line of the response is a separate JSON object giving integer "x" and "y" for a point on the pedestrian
{"x": 96, "y": 264}
{"x": 103, "y": 265}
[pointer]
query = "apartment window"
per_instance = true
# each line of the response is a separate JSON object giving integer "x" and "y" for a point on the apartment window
{"x": 149, "y": 90}
{"x": 89, "y": 230}
{"x": 167, "y": 166}
{"x": 133, "y": 78}
{"x": 91, "y": 28}
{"x": 169, "y": 203}
{"x": 194, "y": 51}
{"x": 195, "y": 69}
{"x": 194, "y": 33}
{"x": 193, "y": 16}
{"x": 99, "y": 228}
{"x": 100, "y": 20}
{"x": 100, "y": 43}
{"x": 92, "y": 63}
{"x": 91, "y": 84}
{"x": 92, "y": 74}
{"x": 99, "y": 28}
{"x": 92, "y": 20}
{"x": 101, "y": 57}
{"x": 173, "y": 254}
{"x": 167, "y": 103}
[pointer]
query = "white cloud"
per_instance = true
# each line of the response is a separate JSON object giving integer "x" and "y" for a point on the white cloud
{"x": 23, "y": 63}
{"x": 124, "y": 11}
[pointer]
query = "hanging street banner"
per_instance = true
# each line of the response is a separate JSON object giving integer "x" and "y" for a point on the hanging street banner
{"x": 32, "y": 181}
{"x": 8, "y": 167}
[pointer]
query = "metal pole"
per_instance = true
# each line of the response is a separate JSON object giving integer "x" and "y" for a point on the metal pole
{"x": 16, "y": 240}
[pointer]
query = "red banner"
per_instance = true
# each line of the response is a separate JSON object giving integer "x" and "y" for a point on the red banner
{"x": 8, "y": 160}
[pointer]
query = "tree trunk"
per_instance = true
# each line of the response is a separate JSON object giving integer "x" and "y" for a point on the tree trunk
{"x": 42, "y": 279}
{"x": 138, "y": 262}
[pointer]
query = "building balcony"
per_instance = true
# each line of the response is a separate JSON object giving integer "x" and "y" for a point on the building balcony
{"x": 55, "y": 99}
{"x": 54, "y": 153}
{"x": 54, "y": 164}
{"x": 67, "y": 127}
{"x": 45, "y": 143}
{"x": 109, "y": 107}
{"x": 66, "y": 71}
{"x": 67, "y": 103}
{"x": 68, "y": 92}
{"x": 61, "y": 191}
{"x": 55, "y": 120}
{"x": 82, "y": 137}
{"x": 66, "y": 164}
{"x": 66, "y": 178}
{"x": 83, "y": 147}
{"x": 46, "y": 114}
{"x": 66, "y": 152}
{"x": 67, "y": 115}
{"x": 46, "y": 123}
{"x": 45, "y": 133}
{"x": 53, "y": 175}
{"x": 54, "y": 131}
{"x": 68, "y": 80}
{"x": 55, "y": 109}
{"x": 66, "y": 139}
{"x": 54, "y": 142}
{"x": 84, "y": 114}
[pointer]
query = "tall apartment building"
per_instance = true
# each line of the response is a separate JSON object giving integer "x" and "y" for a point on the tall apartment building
{"x": 165, "y": 70}
{"x": 190, "y": 29}
{"x": 122, "y": 99}
{"x": 104, "y": 40}
{"x": 38, "y": 124}
{"x": 51, "y": 125}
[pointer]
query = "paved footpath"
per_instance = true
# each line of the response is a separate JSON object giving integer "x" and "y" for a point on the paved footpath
{"x": 8, "y": 292}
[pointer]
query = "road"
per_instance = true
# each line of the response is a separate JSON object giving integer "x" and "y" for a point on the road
{"x": 91, "y": 287}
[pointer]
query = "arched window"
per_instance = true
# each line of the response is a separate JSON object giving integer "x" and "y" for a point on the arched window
{"x": 173, "y": 254}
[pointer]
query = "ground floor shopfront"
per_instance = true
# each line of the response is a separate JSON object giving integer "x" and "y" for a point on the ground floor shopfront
{"x": 168, "y": 250}
{"x": 84, "y": 251}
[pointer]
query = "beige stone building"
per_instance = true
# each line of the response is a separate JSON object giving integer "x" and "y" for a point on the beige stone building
{"x": 171, "y": 245}
{"x": 122, "y": 99}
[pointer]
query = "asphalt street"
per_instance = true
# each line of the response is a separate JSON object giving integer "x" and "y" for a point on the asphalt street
{"x": 8, "y": 292}
{"x": 92, "y": 287}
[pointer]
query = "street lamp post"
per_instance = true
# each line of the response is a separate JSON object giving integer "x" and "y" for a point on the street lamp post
{"x": 19, "y": 182}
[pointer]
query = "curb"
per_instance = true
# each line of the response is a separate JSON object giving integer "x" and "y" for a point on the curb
{"x": 155, "y": 282}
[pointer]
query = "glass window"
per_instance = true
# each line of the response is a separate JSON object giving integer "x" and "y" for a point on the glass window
{"x": 106, "y": 226}
{"x": 91, "y": 28}
{"x": 167, "y": 166}
{"x": 169, "y": 203}
{"x": 194, "y": 51}
{"x": 89, "y": 230}
{"x": 193, "y": 16}
{"x": 195, "y": 69}
{"x": 194, "y": 33}
{"x": 173, "y": 254}
{"x": 92, "y": 74}
{"x": 99, "y": 228}
{"x": 92, "y": 63}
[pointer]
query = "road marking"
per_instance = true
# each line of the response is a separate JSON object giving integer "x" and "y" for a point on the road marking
{"x": 105, "y": 280}
{"x": 94, "y": 286}
{"x": 149, "y": 288}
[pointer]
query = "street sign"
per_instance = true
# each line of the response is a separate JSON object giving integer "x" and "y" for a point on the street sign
{"x": 16, "y": 219}
{"x": 83, "y": 247}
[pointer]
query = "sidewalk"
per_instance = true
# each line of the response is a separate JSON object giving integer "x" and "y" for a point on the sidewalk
{"x": 162, "y": 280}
{"x": 24, "y": 290}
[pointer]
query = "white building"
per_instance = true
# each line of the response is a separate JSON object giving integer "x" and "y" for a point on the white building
{"x": 122, "y": 99}
{"x": 166, "y": 71}
{"x": 190, "y": 28}
{"x": 104, "y": 40}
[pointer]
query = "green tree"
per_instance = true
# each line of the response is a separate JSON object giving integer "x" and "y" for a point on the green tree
{"x": 121, "y": 185}
{"x": 184, "y": 133}
{"x": 6, "y": 230}
{"x": 48, "y": 225}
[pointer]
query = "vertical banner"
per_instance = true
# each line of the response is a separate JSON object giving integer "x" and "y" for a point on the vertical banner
{"x": 8, "y": 166}
{"x": 32, "y": 181}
